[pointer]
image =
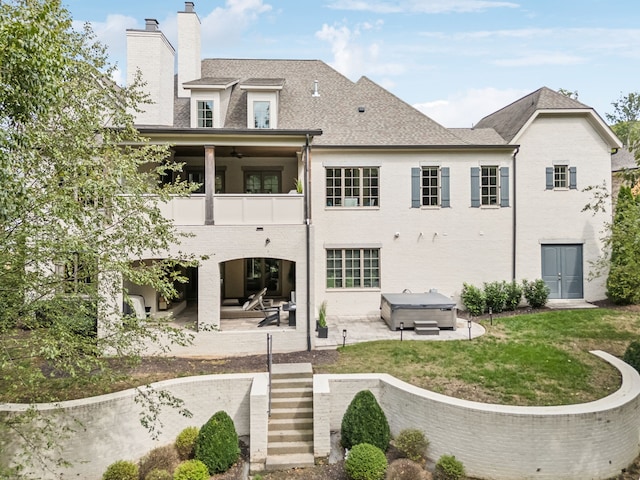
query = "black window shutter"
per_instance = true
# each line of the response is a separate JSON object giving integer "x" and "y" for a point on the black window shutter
{"x": 573, "y": 177}
{"x": 549, "y": 175}
{"x": 475, "y": 187}
{"x": 415, "y": 187}
{"x": 504, "y": 187}
{"x": 445, "y": 193}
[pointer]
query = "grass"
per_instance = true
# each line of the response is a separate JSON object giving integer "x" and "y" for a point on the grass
{"x": 530, "y": 359}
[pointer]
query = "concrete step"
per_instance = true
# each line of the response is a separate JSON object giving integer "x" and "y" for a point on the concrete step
{"x": 284, "y": 462}
{"x": 289, "y": 369}
{"x": 292, "y": 402}
{"x": 427, "y": 330}
{"x": 287, "y": 448}
{"x": 284, "y": 413}
{"x": 297, "y": 392}
{"x": 278, "y": 383}
{"x": 283, "y": 424}
{"x": 302, "y": 435}
{"x": 425, "y": 323}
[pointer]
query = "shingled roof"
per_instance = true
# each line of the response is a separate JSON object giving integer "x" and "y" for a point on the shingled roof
{"x": 509, "y": 120}
{"x": 348, "y": 113}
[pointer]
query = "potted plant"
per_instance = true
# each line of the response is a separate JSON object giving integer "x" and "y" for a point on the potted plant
{"x": 323, "y": 330}
{"x": 297, "y": 185}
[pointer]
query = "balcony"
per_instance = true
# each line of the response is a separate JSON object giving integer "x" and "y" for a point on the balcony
{"x": 237, "y": 209}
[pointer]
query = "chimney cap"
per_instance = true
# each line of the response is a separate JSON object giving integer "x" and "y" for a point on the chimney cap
{"x": 151, "y": 24}
{"x": 188, "y": 6}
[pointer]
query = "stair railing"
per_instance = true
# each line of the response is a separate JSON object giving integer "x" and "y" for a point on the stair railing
{"x": 269, "y": 366}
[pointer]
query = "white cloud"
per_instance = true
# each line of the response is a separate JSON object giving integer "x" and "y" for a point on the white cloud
{"x": 353, "y": 59}
{"x": 420, "y": 6}
{"x": 225, "y": 25}
{"x": 464, "y": 109}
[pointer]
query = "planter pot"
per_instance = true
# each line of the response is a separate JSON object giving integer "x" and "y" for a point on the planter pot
{"x": 323, "y": 332}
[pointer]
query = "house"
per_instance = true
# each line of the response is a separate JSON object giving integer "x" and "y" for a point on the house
{"x": 389, "y": 200}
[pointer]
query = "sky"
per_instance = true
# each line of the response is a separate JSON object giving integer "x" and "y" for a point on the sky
{"x": 455, "y": 60}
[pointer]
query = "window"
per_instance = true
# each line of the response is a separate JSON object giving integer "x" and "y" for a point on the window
{"x": 561, "y": 177}
{"x": 261, "y": 117}
{"x": 262, "y": 182}
{"x": 490, "y": 186}
{"x": 205, "y": 113}
{"x": 430, "y": 187}
{"x": 353, "y": 268}
{"x": 352, "y": 187}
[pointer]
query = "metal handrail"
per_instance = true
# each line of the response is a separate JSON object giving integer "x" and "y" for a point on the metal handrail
{"x": 269, "y": 365}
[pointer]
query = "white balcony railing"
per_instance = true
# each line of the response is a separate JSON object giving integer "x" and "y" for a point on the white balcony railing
{"x": 237, "y": 209}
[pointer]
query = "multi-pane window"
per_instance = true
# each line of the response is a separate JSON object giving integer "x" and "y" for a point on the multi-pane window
{"x": 353, "y": 268}
{"x": 430, "y": 195}
{"x": 261, "y": 117}
{"x": 205, "y": 113}
{"x": 489, "y": 185}
{"x": 560, "y": 176}
{"x": 352, "y": 187}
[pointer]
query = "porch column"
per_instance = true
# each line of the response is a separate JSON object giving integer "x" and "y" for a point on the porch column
{"x": 209, "y": 182}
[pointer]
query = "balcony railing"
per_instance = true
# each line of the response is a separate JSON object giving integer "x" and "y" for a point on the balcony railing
{"x": 237, "y": 209}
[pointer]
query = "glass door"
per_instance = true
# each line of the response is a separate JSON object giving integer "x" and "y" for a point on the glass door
{"x": 261, "y": 273}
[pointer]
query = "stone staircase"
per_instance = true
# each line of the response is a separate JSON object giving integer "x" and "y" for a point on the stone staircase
{"x": 426, "y": 327}
{"x": 290, "y": 434}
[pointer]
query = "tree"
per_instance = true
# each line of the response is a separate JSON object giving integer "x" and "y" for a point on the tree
{"x": 568, "y": 93}
{"x": 624, "y": 119}
{"x": 79, "y": 193}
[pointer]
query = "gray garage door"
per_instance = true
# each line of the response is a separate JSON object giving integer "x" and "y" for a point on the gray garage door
{"x": 562, "y": 270}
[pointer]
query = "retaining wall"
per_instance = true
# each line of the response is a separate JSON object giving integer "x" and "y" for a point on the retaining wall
{"x": 593, "y": 440}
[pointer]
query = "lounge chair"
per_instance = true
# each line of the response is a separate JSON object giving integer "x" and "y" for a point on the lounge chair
{"x": 255, "y": 302}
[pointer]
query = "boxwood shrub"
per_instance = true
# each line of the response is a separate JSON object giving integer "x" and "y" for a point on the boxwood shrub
{"x": 217, "y": 443}
{"x": 121, "y": 470}
{"x": 449, "y": 467}
{"x": 535, "y": 292}
{"x": 632, "y": 355}
{"x": 473, "y": 299}
{"x": 185, "y": 442}
{"x": 365, "y": 422}
{"x": 365, "y": 462}
{"x": 191, "y": 470}
{"x": 412, "y": 444}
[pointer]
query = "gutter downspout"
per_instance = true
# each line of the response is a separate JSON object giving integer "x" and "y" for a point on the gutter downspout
{"x": 515, "y": 217}
{"x": 307, "y": 222}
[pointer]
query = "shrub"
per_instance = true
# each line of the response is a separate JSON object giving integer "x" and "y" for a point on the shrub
{"x": 121, "y": 470}
{"x": 158, "y": 474}
{"x": 365, "y": 422}
{"x": 632, "y": 355}
{"x": 191, "y": 470}
{"x": 186, "y": 442}
{"x": 412, "y": 444}
{"x": 217, "y": 443}
{"x": 536, "y": 293}
{"x": 405, "y": 469}
{"x": 365, "y": 462}
{"x": 514, "y": 295}
{"x": 473, "y": 299}
{"x": 161, "y": 458}
{"x": 495, "y": 295}
{"x": 449, "y": 468}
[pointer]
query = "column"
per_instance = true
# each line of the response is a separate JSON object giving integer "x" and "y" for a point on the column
{"x": 209, "y": 182}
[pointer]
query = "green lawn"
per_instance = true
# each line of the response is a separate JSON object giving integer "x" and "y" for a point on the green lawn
{"x": 531, "y": 359}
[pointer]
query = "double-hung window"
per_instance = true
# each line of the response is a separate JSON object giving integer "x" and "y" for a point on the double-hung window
{"x": 353, "y": 268}
{"x": 352, "y": 187}
{"x": 261, "y": 114}
{"x": 430, "y": 187}
{"x": 561, "y": 177}
{"x": 490, "y": 186}
{"x": 205, "y": 113}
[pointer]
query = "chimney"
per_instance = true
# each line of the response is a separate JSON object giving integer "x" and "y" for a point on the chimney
{"x": 189, "y": 60}
{"x": 150, "y": 52}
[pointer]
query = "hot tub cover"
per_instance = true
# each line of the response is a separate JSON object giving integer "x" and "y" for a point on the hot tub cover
{"x": 418, "y": 300}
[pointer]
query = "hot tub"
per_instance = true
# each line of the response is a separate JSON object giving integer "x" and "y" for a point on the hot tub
{"x": 409, "y": 307}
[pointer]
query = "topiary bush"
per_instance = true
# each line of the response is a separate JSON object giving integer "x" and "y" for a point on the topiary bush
{"x": 365, "y": 462}
{"x": 121, "y": 470}
{"x": 412, "y": 444}
{"x": 536, "y": 293}
{"x": 158, "y": 474}
{"x": 473, "y": 299}
{"x": 161, "y": 458}
{"x": 217, "y": 443}
{"x": 514, "y": 295}
{"x": 365, "y": 422}
{"x": 495, "y": 295}
{"x": 449, "y": 467}
{"x": 405, "y": 469}
{"x": 632, "y": 355}
{"x": 191, "y": 470}
{"x": 185, "y": 442}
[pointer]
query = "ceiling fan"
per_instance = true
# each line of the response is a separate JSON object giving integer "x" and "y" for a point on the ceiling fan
{"x": 235, "y": 153}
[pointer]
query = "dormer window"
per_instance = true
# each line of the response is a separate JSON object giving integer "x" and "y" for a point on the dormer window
{"x": 262, "y": 101}
{"x": 205, "y": 113}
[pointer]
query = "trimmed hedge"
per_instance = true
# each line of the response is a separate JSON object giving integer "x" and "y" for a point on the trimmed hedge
{"x": 185, "y": 443}
{"x": 121, "y": 470}
{"x": 191, "y": 470}
{"x": 365, "y": 462}
{"x": 217, "y": 443}
{"x": 412, "y": 444}
{"x": 449, "y": 468}
{"x": 365, "y": 422}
